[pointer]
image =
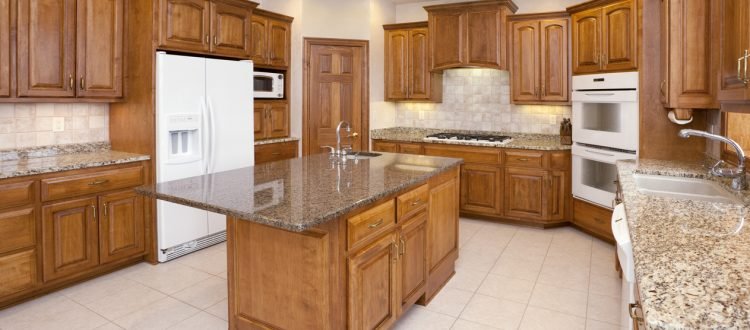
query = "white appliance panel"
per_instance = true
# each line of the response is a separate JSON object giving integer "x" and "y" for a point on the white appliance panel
{"x": 602, "y": 81}
{"x": 606, "y": 119}
{"x": 179, "y": 224}
{"x": 594, "y": 173}
{"x": 625, "y": 258}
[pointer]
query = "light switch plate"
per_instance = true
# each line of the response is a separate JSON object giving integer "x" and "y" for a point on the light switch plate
{"x": 58, "y": 124}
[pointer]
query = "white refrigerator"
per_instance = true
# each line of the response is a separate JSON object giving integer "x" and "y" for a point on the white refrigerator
{"x": 204, "y": 124}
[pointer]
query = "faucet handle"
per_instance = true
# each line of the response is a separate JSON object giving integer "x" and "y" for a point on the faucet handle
{"x": 332, "y": 149}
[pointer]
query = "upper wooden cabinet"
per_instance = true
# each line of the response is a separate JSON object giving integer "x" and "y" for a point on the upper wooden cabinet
{"x": 733, "y": 22}
{"x": 469, "y": 34}
{"x": 100, "y": 48}
{"x": 539, "y": 60}
{"x": 217, "y": 27}
{"x": 605, "y": 36}
{"x": 5, "y": 48}
{"x": 271, "y": 39}
{"x": 407, "y": 69}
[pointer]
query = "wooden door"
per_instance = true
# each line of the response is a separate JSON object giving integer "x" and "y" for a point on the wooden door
{"x": 279, "y": 43}
{"x": 46, "y": 38}
{"x": 554, "y": 60}
{"x": 101, "y": 28}
{"x": 587, "y": 41}
{"x": 260, "y": 120}
{"x": 413, "y": 260}
{"x": 121, "y": 226}
{"x": 442, "y": 227}
{"x": 335, "y": 90}
{"x": 620, "y": 36}
{"x": 482, "y": 30}
{"x": 184, "y": 25}
{"x": 397, "y": 58}
{"x": 734, "y": 18}
{"x": 555, "y": 200}
{"x": 420, "y": 80}
{"x": 525, "y": 65}
{"x": 4, "y": 48}
{"x": 230, "y": 26}
{"x": 481, "y": 189}
{"x": 447, "y": 39}
{"x": 259, "y": 40}
{"x": 69, "y": 238}
{"x": 524, "y": 193}
{"x": 278, "y": 120}
{"x": 372, "y": 296}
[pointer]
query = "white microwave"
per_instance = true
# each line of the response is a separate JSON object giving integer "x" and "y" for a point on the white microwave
{"x": 268, "y": 85}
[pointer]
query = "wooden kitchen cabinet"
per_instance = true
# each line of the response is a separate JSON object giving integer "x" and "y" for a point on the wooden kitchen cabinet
{"x": 524, "y": 193}
{"x": 101, "y": 25}
{"x": 442, "y": 230}
{"x": 407, "y": 69}
{"x": 480, "y": 188}
{"x": 271, "y": 152}
{"x": 539, "y": 60}
{"x": 469, "y": 34}
{"x": 593, "y": 219}
{"x": 121, "y": 226}
{"x": 373, "y": 302}
{"x": 230, "y": 26}
{"x": 271, "y": 39}
{"x": 5, "y": 49}
{"x": 271, "y": 119}
{"x": 734, "y": 47}
{"x": 397, "y": 147}
{"x": 412, "y": 264}
{"x": 69, "y": 238}
{"x": 605, "y": 36}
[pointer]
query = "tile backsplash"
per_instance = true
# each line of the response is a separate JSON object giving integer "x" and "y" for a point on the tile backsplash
{"x": 30, "y": 125}
{"x": 479, "y": 99}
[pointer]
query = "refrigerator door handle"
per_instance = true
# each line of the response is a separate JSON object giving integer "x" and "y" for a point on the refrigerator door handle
{"x": 211, "y": 136}
{"x": 205, "y": 135}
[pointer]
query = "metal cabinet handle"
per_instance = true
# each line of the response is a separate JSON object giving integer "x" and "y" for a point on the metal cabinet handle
{"x": 661, "y": 87}
{"x": 275, "y": 153}
{"x": 402, "y": 248}
{"x": 72, "y": 84}
{"x": 394, "y": 251}
{"x": 631, "y": 310}
{"x": 98, "y": 182}
{"x": 544, "y": 90}
{"x": 744, "y": 80}
{"x": 216, "y": 40}
{"x": 93, "y": 207}
{"x": 376, "y": 224}
{"x": 83, "y": 83}
{"x": 105, "y": 206}
{"x": 522, "y": 159}
{"x": 416, "y": 202}
{"x": 208, "y": 40}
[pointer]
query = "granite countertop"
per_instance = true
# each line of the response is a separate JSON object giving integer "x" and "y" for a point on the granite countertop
{"x": 278, "y": 140}
{"x": 301, "y": 193}
{"x": 520, "y": 140}
{"x": 692, "y": 258}
{"x": 39, "y": 160}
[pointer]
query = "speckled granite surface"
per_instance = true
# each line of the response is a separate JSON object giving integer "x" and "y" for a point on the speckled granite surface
{"x": 279, "y": 140}
{"x": 39, "y": 160}
{"x": 301, "y": 193}
{"x": 520, "y": 140}
{"x": 692, "y": 258}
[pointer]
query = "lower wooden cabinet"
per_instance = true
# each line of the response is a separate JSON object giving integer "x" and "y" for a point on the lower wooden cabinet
{"x": 121, "y": 226}
{"x": 18, "y": 272}
{"x": 524, "y": 193}
{"x": 69, "y": 238}
{"x": 412, "y": 265}
{"x": 480, "y": 188}
{"x": 271, "y": 152}
{"x": 593, "y": 219}
{"x": 396, "y": 147}
{"x": 373, "y": 303}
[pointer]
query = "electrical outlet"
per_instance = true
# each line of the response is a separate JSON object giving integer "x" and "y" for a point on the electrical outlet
{"x": 58, "y": 124}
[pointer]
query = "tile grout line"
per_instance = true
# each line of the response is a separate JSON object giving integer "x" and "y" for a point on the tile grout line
{"x": 549, "y": 245}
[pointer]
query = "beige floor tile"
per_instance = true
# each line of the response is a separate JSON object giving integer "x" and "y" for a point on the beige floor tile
{"x": 159, "y": 315}
{"x": 466, "y": 325}
{"x": 220, "y": 310}
{"x": 202, "y": 321}
{"x": 450, "y": 301}
{"x": 604, "y": 308}
{"x": 466, "y": 279}
{"x": 537, "y": 318}
{"x": 572, "y": 277}
{"x": 109, "y": 326}
{"x": 503, "y": 314}
{"x": 204, "y": 293}
{"x": 50, "y": 312}
{"x": 525, "y": 269}
{"x": 558, "y": 255}
{"x": 507, "y": 288}
{"x": 211, "y": 260}
{"x": 476, "y": 260}
{"x": 526, "y": 248}
{"x": 128, "y": 299}
{"x": 222, "y": 275}
{"x": 492, "y": 233}
{"x": 494, "y": 247}
{"x": 168, "y": 277}
{"x": 599, "y": 325}
{"x": 605, "y": 285}
{"x": 559, "y": 299}
{"x": 98, "y": 288}
{"x": 420, "y": 318}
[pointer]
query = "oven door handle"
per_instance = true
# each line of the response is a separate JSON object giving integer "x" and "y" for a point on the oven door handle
{"x": 599, "y": 153}
{"x": 599, "y": 94}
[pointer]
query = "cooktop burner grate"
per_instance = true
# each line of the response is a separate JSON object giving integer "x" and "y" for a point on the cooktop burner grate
{"x": 469, "y": 137}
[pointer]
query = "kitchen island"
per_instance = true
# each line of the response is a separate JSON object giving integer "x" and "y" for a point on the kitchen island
{"x": 321, "y": 242}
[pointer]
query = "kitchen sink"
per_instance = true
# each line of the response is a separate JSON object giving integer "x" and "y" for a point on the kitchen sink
{"x": 684, "y": 188}
{"x": 363, "y": 155}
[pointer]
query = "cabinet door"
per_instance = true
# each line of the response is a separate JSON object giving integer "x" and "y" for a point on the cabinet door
{"x": 230, "y": 26}
{"x": 4, "y": 48}
{"x": 372, "y": 296}
{"x": 46, "y": 41}
{"x": 554, "y": 60}
{"x": 384, "y": 146}
{"x": 443, "y": 223}
{"x": 121, "y": 227}
{"x": 18, "y": 272}
{"x": 260, "y": 115}
{"x": 184, "y": 24}
{"x": 279, "y": 42}
{"x": 100, "y": 39}
{"x": 557, "y": 186}
{"x": 259, "y": 40}
{"x": 69, "y": 238}
{"x": 278, "y": 120}
{"x": 419, "y": 80}
{"x": 397, "y": 64}
{"x": 620, "y": 36}
{"x": 524, "y": 193}
{"x": 525, "y": 65}
{"x": 447, "y": 39}
{"x": 734, "y": 42}
{"x": 587, "y": 41}
{"x": 483, "y": 29}
{"x": 481, "y": 189}
{"x": 412, "y": 260}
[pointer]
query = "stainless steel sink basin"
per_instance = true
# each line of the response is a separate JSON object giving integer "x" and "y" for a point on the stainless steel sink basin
{"x": 363, "y": 155}
{"x": 684, "y": 188}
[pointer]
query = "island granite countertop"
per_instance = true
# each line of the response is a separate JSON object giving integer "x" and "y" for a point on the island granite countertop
{"x": 520, "y": 140}
{"x": 301, "y": 193}
{"x": 692, "y": 258}
{"x": 49, "y": 159}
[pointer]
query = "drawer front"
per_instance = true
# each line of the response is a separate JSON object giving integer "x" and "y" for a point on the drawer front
{"x": 384, "y": 146}
{"x": 17, "y": 272}
{"x": 468, "y": 154}
{"x": 266, "y": 153}
{"x": 370, "y": 223}
{"x": 410, "y": 148}
{"x": 593, "y": 218}
{"x": 16, "y": 194}
{"x": 412, "y": 202}
{"x": 560, "y": 160}
{"x": 84, "y": 184}
{"x": 534, "y": 159}
{"x": 17, "y": 229}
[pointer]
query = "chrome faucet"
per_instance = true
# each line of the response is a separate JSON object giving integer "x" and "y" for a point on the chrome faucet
{"x": 338, "y": 151}
{"x": 739, "y": 181}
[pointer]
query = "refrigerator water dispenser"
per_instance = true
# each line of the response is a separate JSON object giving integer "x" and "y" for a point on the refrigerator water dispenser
{"x": 184, "y": 138}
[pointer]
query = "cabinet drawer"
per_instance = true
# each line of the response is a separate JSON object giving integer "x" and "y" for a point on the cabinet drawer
{"x": 533, "y": 159}
{"x": 17, "y": 272}
{"x": 16, "y": 194}
{"x": 384, "y": 146}
{"x": 412, "y": 202}
{"x": 410, "y": 148}
{"x": 272, "y": 152}
{"x": 593, "y": 218}
{"x": 468, "y": 154}
{"x": 372, "y": 222}
{"x": 17, "y": 229}
{"x": 83, "y": 184}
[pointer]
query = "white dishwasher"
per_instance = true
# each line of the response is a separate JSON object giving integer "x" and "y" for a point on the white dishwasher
{"x": 625, "y": 255}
